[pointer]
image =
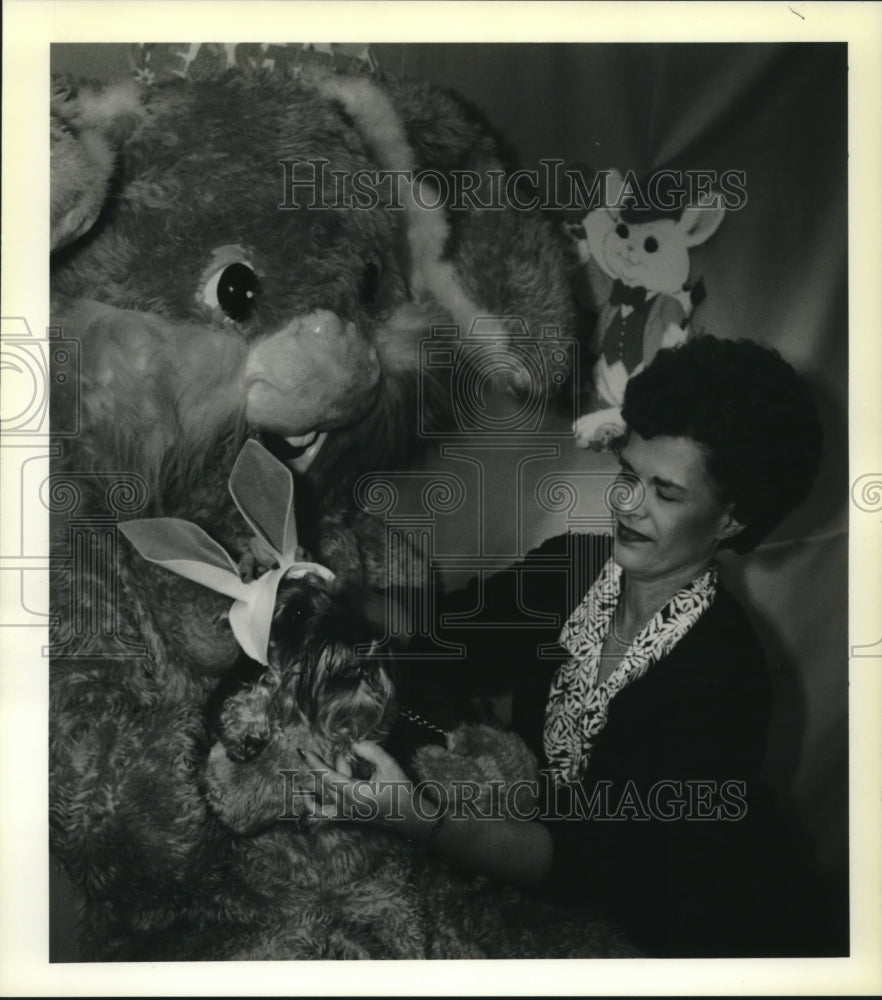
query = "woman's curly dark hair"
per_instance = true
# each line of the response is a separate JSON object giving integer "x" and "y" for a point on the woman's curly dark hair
{"x": 749, "y": 410}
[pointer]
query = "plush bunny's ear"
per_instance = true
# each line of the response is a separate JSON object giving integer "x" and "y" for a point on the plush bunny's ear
{"x": 86, "y": 129}
{"x": 185, "y": 549}
{"x": 252, "y": 619}
{"x": 615, "y": 184}
{"x": 699, "y": 224}
{"x": 264, "y": 493}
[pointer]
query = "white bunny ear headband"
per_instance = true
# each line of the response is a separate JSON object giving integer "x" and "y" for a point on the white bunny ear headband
{"x": 263, "y": 490}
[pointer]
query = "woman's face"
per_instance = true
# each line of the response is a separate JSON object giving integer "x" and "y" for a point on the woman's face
{"x": 669, "y": 519}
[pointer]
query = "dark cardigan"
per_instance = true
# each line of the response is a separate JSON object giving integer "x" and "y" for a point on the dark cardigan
{"x": 706, "y": 884}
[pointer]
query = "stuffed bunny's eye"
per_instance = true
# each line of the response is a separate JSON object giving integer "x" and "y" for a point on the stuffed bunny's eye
{"x": 622, "y": 231}
{"x": 650, "y": 244}
{"x": 234, "y": 289}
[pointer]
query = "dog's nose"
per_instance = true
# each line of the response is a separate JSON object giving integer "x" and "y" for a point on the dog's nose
{"x": 247, "y": 747}
{"x": 254, "y": 744}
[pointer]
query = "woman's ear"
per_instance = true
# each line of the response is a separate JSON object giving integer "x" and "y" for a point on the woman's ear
{"x": 730, "y": 526}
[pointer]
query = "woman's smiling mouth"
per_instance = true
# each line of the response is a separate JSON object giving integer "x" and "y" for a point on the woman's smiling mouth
{"x": 626, "y": 534}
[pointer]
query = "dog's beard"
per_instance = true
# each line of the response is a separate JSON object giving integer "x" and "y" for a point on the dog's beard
{"x": 343, "y": 697}
{"x": 330, "y": 675}
{"x": 323, "y": 672}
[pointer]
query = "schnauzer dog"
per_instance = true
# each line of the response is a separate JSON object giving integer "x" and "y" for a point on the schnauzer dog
{"x": 323, "y": 670}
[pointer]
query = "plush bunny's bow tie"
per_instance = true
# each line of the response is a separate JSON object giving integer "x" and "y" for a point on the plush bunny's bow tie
{"x": 627, "y": 295}
{"x": 263, "y": 490}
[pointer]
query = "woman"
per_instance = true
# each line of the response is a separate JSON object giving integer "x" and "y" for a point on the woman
{"x": 659, "y": 702}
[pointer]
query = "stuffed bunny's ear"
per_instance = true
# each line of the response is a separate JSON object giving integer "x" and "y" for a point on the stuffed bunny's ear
{"x": 699, "y": 224}
{"x": 85, "y": 131}
{"x": 185, "y": 549}
{"x": 263, "y": 489}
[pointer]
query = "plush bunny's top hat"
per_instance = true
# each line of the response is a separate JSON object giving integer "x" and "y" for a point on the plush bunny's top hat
{"x": 263, "y": 490}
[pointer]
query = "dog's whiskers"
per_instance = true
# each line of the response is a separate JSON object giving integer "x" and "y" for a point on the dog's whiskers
{"x": 315, "y": 676}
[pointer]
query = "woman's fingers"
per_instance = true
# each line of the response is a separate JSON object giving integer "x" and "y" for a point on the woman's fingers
{"x": 247, "y": 565}
{"x": 264, "y": 555}
{"x": 386, "y": 767}
{"x": 256, "y": 560}
{"x": 333, "y": 787}
{"x": 332, "y": 781}
{"x": 311, "y": 758}
{"x": 316, "y": 763}
{"x": 372, "y": 752}
{"x": 340, "y": 796}
{"x": 318, "y": 809}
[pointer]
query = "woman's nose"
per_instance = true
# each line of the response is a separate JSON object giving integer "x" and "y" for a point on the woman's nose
{"x": 625, "y": 495}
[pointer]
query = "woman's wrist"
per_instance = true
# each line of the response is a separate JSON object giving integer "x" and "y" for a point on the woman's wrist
{"x": 428, "y": 830}
{"x": 424, "y": 817}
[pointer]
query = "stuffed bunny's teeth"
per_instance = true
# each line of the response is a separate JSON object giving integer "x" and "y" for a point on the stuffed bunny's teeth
{"x": 312, "y": 444}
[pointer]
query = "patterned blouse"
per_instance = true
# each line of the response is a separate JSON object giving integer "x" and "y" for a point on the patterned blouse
{"x": 578, "y": 705}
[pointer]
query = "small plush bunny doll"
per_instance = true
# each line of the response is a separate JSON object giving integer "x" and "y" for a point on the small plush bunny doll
{"x": 638, "y": 267}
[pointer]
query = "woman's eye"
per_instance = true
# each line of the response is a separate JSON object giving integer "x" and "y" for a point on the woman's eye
{"x": 234, "y": 289}
{"x": 625, "y": 493}
{"x": 665, "y": 497}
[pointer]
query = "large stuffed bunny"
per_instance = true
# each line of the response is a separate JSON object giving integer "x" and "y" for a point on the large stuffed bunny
{"x": 254, "y": 253}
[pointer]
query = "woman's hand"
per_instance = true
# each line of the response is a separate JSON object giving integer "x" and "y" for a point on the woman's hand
{"x": 515, "y": 851}
{"x": 259, "y": 557}
{"x": 386, "y": 798}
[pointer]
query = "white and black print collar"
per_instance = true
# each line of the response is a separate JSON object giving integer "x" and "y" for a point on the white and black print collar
{"x": 578, "y": 706}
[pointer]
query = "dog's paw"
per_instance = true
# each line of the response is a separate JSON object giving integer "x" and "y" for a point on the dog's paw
{"x": 257, "y": 793}
{"x": 244, "y": 726}
{"x": 240, "y": 794}
{"x": 248, "y": 744}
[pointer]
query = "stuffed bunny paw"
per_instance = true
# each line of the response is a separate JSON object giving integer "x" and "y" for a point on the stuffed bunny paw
{"x": 598, "y": 430}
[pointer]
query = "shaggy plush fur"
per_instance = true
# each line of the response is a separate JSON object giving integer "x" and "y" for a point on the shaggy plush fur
{"x": 176, "y": 849}
{"x": 376, "y": 896}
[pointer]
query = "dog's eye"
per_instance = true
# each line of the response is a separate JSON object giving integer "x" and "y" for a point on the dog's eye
{"x": 291, "y": 613}
{"x": 234, "y": 289}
